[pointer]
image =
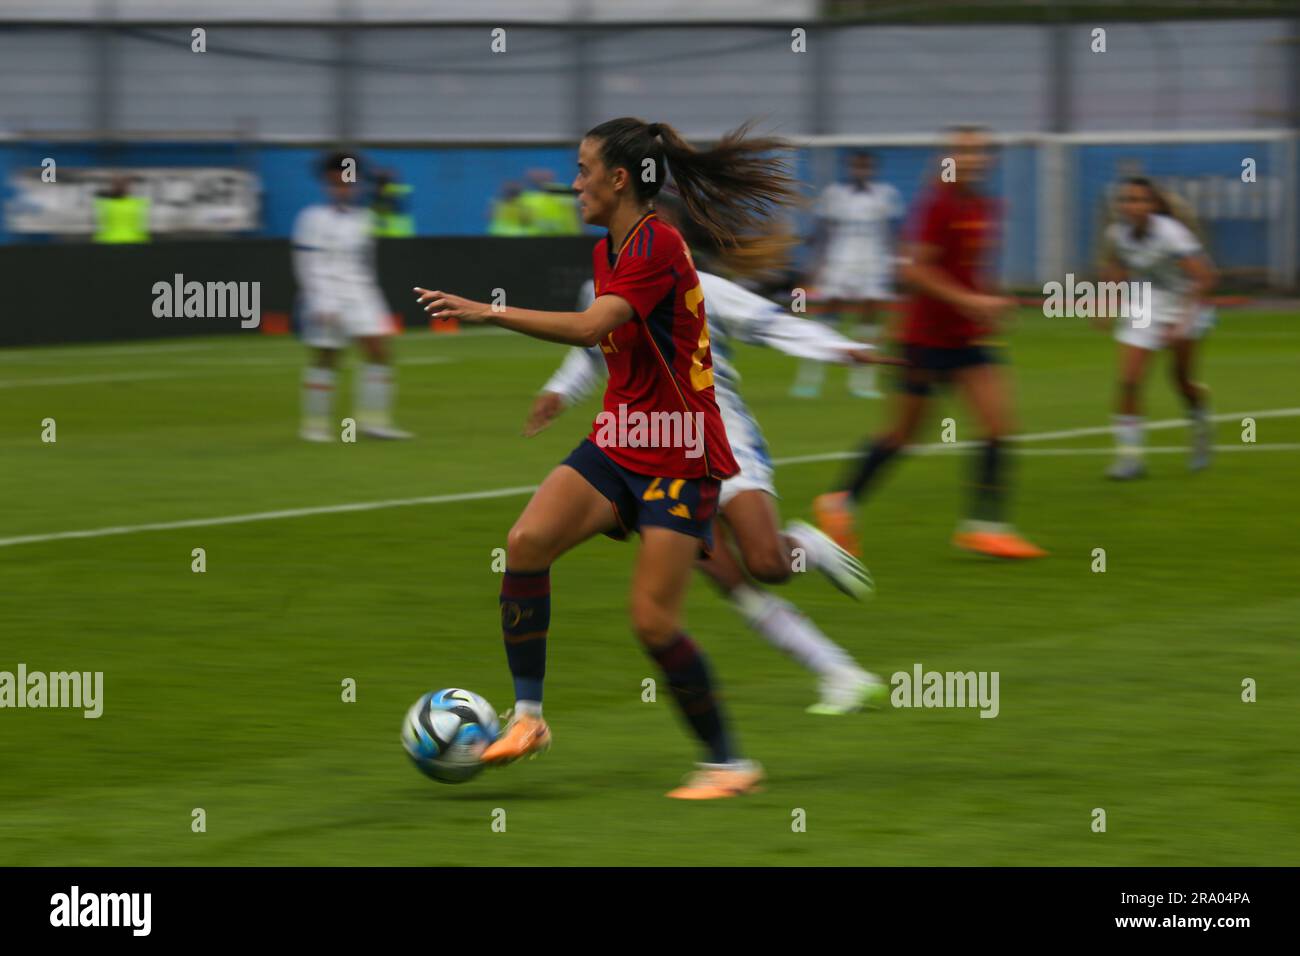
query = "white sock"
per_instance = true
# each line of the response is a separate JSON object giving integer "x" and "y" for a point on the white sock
{"x": 1129, "y": 435}
{"x": 532, "y": 708}
{"x": 783, "y": 626}
{"x": 862, "y": 378}
{"x": 810, "y": 374}
{"x": 317, "y": 397}
{"x": 375, "y": 394}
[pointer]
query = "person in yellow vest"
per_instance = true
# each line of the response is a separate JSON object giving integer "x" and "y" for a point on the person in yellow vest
{"x": 551, "y": 208}
{"x": 390, "y": 207}
{"x": 119, "y": 216}
{"x": 509, "y": 217}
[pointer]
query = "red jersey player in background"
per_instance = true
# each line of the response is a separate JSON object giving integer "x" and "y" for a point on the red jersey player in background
{"x": 649, "y": 320}
{"x": 953, "y": 236}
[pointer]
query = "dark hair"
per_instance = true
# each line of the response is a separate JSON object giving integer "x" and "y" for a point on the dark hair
{"x": 332, "y": 163}
{"x": 1161, "y": 202}
{"x": 762, "y": 255}
{"x": 728, "y": 190}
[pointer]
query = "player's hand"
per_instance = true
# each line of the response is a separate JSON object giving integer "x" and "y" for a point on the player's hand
{"x": 987, "y": 310}
{"x": 444, "y": 305}
{"x": 865, "y": 356}
{"x": 546, "y": 408}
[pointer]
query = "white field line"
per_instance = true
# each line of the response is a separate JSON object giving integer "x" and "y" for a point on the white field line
{"x": 58, "y": 354}
{"x": 529, "y": 489}
{"x": 140, "y": 375}
{"x": 87, "y": 379}
{"x": 938, "y": 447}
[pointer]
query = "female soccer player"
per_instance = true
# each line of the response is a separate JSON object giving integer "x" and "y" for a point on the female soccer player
{"x": 340, "y": 300}
{"x": 950, "y": 315}
{"x": 649, "y": 323}
{"x": 1149, "y": 244}
{"x": 746, "y": 502}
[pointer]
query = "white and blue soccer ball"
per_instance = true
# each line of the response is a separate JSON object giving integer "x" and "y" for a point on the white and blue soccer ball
{"x": 446, "y": 732}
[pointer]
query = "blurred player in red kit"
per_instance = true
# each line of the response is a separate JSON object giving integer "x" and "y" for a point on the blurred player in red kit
{"x": 952, "y": 313}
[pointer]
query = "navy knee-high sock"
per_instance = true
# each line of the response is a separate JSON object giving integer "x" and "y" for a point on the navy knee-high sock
{"x": 874, "y": 457}
{"x": 525, "y": 619}
{"x": 687, "y": 670}
{"x": 988, "y": 490}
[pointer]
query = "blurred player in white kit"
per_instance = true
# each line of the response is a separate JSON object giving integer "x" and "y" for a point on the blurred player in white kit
{"x": 339, "y": 302}
{"x": 1155, "y": 242}
{"x": 853, "y": 265}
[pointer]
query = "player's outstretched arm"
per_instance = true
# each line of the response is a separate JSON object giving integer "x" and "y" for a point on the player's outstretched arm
{"x": 568, "y": 328}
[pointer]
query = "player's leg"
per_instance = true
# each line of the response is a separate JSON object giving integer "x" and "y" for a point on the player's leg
{"x": 377, "y": 389}
{"x": 987, "y": 392}
{"x": 1196, "y": 397}
{"x": 564, "y": 511}
{"x": 1133, "y": 363}
{"x": 811, "y": 374}
{"x": 835, "y": 510}
{"x": 844, "y": 685}
{"x": 659, "y": 585}
{"x": 748, "y": 500}
{"x": 319, "y": 380}
{"x": 862, "y": 378}
{"x": 772, "y": 554}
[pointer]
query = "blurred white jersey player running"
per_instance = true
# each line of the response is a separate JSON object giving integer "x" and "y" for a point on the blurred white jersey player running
{"x": 745, "y": 503}
{"x": 853, "y": 265}
{"x": 1151, "y": 246}
{"x": 339, "y": 302}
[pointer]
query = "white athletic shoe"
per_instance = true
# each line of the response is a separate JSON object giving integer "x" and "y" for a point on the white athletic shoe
{"x": 1126, "y": 468}
{"x": 849, "y": 690}
{"x": 841, "y": 568}
{"x": 309, "y": 433}
{"x": 386, "y": 433}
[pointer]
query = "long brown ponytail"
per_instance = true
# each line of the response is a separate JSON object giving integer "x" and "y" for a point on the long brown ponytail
{"x": 728, "y": 190}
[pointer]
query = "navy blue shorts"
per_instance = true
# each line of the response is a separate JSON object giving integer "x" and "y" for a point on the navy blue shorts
{"x": 928, "y": 366}
{"x": 678, "y": 504}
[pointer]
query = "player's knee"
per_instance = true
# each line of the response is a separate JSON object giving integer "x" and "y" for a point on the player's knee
{"x": 770, "y": 565}
{"x": 652, "y": 625}
{"x": 527, "y": 548}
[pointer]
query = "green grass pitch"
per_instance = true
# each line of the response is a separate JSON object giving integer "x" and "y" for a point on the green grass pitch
{"x": 1119, "y": 690}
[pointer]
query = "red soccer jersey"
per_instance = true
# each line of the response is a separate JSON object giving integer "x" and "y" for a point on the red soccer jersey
{"x": 963, "y": 225}
{"x": 659, "y": 361}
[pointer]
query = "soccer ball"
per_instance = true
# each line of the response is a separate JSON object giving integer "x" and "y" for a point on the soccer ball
{"x": 446, "y": 732}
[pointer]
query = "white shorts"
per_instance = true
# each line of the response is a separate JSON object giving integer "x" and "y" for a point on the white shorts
{"x": 747, "y": 447}
{"x": 856, "y": 284}
{"x": 1152, "y": 338}
{"x": 363, "y": 316}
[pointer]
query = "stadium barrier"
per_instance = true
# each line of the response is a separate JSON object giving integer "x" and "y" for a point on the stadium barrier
{"x": 84, "y": 292}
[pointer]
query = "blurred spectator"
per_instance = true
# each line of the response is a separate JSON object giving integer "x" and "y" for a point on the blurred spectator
{"x": 550, "y": 207}
{"x": 509, "y": 217}
{"x": 391, "y": 205}
{"x": 119, "y": 216}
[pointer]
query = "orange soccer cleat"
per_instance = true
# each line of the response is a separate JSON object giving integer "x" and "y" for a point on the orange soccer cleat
{"x": 833, "y": 513}
{"x": 716, "y": 781}
{"x": 997, "y": 542}
{"x": 525, "y": 734}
